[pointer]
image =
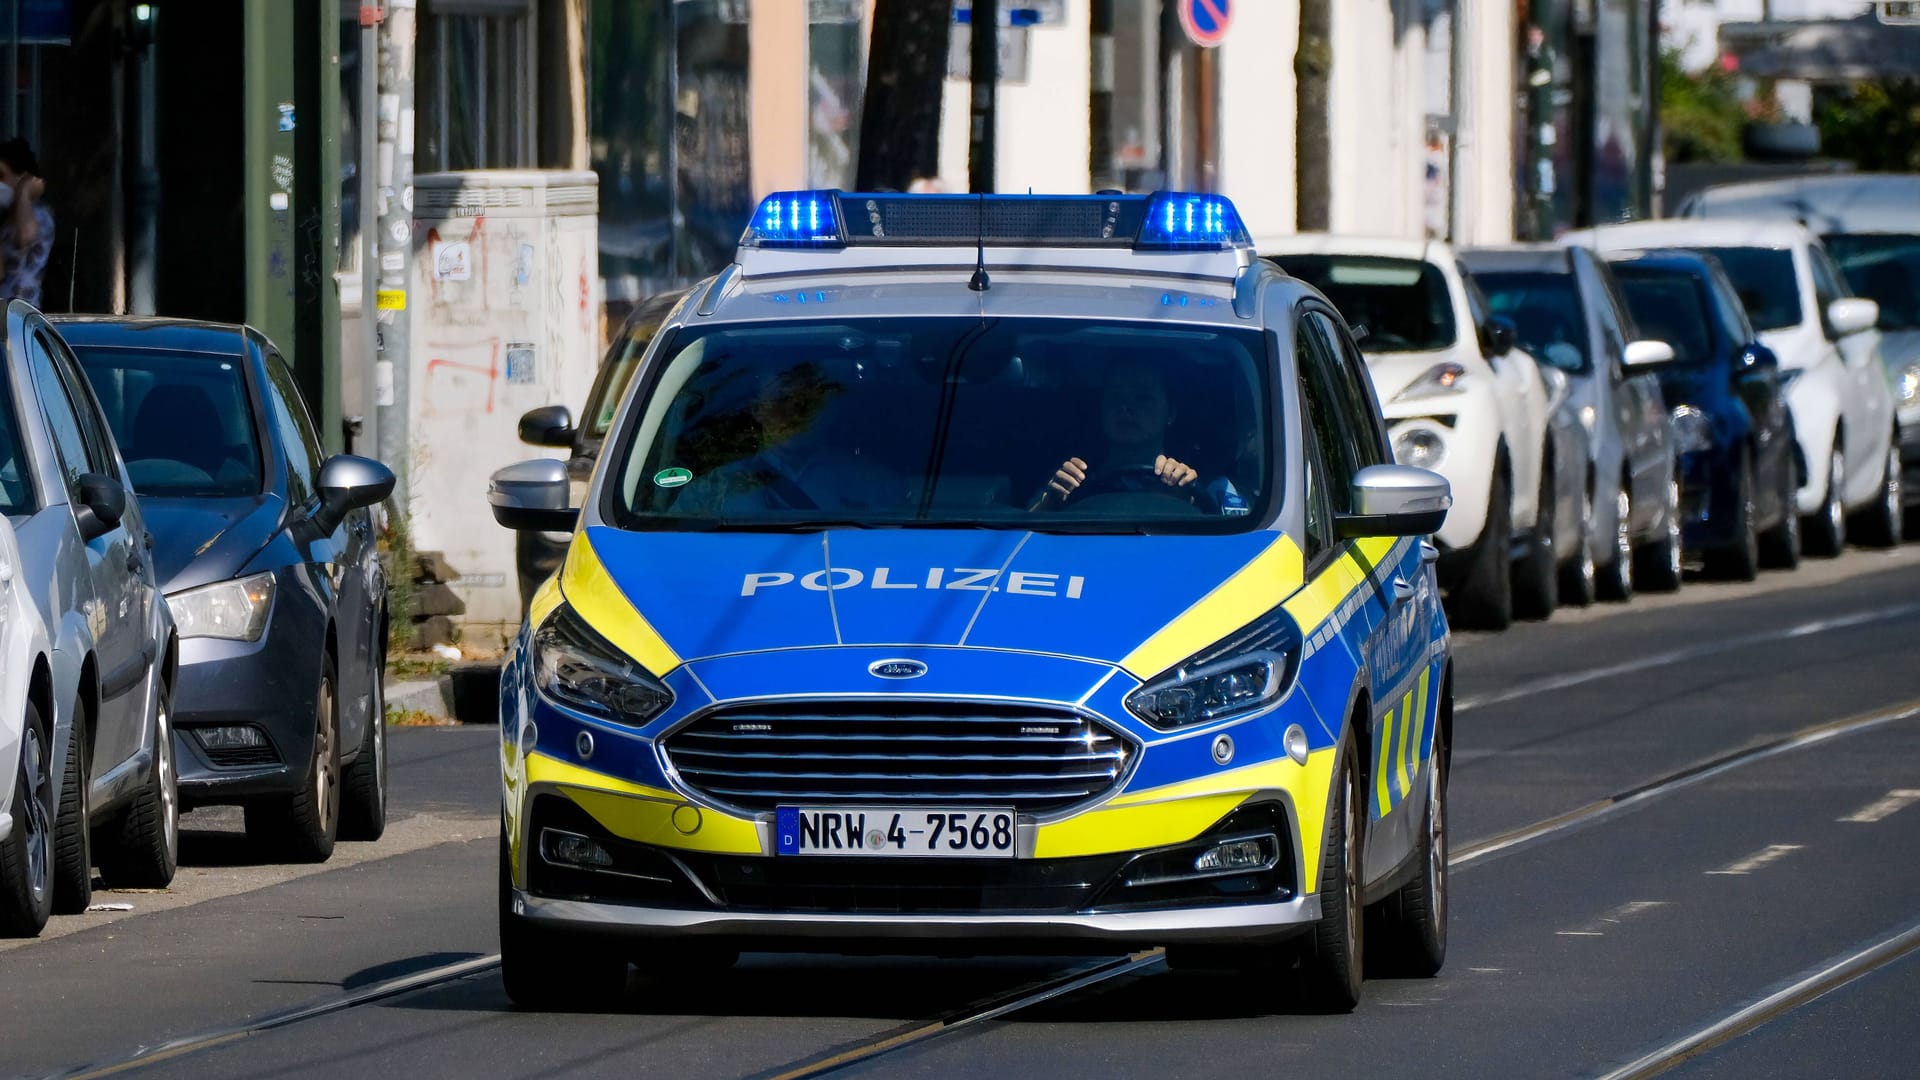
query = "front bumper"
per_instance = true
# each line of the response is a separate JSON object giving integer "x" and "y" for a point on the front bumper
{"x": 269, "y": 685}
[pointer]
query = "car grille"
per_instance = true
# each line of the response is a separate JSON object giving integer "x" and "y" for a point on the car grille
{"x": 1035, "y": 759}
{"x": 236, "y": 757}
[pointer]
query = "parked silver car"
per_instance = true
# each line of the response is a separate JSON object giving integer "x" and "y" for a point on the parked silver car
{"x": 86, "y": 754}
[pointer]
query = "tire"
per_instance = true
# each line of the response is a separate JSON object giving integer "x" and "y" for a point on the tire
{"x": 545, "y": 971}
{"x": 141, "y": 850}
{"x": 1408, "y": 938}
{"x": 1780, "y": 545}
{"x": 1484, "y": 598}
{"x": 1536, "y": 578}
{"x": 1824, "y": 535}
{"x": 1615, "y": 582}
{"x": 1739, "y": 560}
{"x": 1578, "y": 577}
{"x": 1882, "y": 524}
{"x": 1331, "y": 955}
{"x": 26, "y": 856}
{"x": 72, "y": 831}
{"x": 303, "y": 827}
{"x": 1656, "y": 567}
{"x": 363, "y": 788}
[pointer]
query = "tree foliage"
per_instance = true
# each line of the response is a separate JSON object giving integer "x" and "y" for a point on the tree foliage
{"x": 1701, "y": 114}
{"x": 1877, "y": 126}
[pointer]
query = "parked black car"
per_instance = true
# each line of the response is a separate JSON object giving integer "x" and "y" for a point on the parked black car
{"x": 538, "y": 555}
{"x": 267, "y": 555}
{"x": 1731, "y": 423}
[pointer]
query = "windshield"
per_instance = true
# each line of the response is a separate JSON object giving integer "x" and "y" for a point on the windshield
{"x": 16, "y": 488}
{"x": 1669, "y": 306}
{"x": 1393, "y": 305}
{"x": 1885, "y": 269}
{"x": 1766, "y": 282}
{"x": 1043, "y": 424}
{"x": 182, "y": 419}
{"x": 1548, "y": 319}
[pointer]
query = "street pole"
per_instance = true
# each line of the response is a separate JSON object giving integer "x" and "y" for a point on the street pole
{"x": 984, "y": 41}
{"x": 141, "y": 285}
{"x": 395, "y": 163}
{"x": 367, "y": 127}
{"x": 1100, "y": 98}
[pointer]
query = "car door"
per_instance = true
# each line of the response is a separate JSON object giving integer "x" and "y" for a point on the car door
{"x": 1638, "y": 405}
{"x": 1868, "y": 408}
{"x": 1523, "y": 403}
{"x": 115, "y": 559}
{"x": 1759, "y": 388}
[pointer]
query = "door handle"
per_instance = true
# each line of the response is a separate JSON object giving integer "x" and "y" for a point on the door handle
{"x": 1402, "y": 591}
{"x": 1429, "y": 553}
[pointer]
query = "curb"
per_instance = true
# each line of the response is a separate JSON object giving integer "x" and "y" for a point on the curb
{"x": 419, "y": 695}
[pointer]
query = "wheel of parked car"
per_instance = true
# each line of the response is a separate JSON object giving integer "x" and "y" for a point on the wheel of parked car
{"x": 1408, "y": 937}
{"x": 1825, "y": 532}
{"x": 72, "y": 838}
{"x": 1657, "y": 566}
{"x": 363, "y": 786}
{"x": 1880, "y": 524}
{"x": 1578, "y": 576}
{"x": 1616, "y": 574}
{"x": 303, "y": 826}
{"x": 142, "y": 848}
{"x": 1739, "y": 560}
{"x": 1484, "y": 598}
{"x": 1536, "y": 579}
{"x": 26, "y": 856}
{"x": 1780, "y": 545}
{"x": 543, "y": 970}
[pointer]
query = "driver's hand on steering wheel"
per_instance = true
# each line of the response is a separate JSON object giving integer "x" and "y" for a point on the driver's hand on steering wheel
{"x": 1174, "y": 474}
{"x": 1066, "y": 480}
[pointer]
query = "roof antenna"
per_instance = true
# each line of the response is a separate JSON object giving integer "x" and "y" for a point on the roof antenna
{"x": 980, "y": 282}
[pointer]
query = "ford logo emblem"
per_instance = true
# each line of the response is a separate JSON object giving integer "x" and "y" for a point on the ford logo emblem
{"x": 897, "y": 669}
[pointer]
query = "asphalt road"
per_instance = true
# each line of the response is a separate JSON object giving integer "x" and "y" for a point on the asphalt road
{"x": 1748, "y": 895}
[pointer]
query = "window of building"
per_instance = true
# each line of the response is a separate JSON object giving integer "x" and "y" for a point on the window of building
{"x": 475, "y": 87}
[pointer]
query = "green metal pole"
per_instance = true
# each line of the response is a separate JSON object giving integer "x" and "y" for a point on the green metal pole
{"x": 317, "y": 241}
{"x": 267, "y": 89}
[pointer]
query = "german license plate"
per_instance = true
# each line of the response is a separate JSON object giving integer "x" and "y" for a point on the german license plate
{"x": 890, "y": 831}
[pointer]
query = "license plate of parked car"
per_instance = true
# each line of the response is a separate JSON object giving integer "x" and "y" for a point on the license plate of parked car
{"x": 891, "y": 831}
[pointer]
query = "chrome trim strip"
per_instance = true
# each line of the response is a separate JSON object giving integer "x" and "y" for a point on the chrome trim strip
{"x": 1208, "y": 924}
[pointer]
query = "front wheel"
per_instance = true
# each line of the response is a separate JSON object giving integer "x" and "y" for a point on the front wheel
{"x": 1578, "y": 578}
{"x": 1536, "y": 581}
{"x": 363, "y": 805}
{"x": 1657, "y": 566}
{"x": 26, "y": 856}
{"x": 1330, "y": 960}
{"x": 1740, "y": 559}
{"x": 1881, "y": 524}
{"x": 302, "y": 827}
{"x": 1616, "y": 574}
{"x": 546, "y": 971}
{"x": 1780, "y": 545}
{"x": 1409, "y": 935}
{"x": 1483, "y": 600}
{"x": 142, "y": 849}
{"x": 1824, "y": 534}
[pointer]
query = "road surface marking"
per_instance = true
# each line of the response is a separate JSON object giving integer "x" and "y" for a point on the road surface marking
{"x": 1772, "y": 853}
{"x": 1891, "y": 804}
{"x": 1600, "y": 926}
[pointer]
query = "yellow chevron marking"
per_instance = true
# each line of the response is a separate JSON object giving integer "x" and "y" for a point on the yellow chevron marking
{"x": 1380, "y": 771}
{"x": 1420, "y": 724}
{"x": 1406, "y": 728}
{"x": 593, "y": 594}
{"x": 1250, "y": 592}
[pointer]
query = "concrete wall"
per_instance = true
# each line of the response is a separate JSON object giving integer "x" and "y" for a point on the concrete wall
{"x": 1379, "y": 121}
{"x": 1483, "y": 197}
{"x": 1257, "y": 114}
{"x": 1043, "y": 129}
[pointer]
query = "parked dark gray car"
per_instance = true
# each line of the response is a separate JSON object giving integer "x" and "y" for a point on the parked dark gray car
{"x": 267, "y": 555}
{"x": 1568, "y": 313}
{"x": 90, "y": 777}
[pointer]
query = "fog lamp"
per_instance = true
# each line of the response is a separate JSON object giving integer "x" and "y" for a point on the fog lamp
{"x": 1243, "y": 853}
{"x": 236, "y": 737}
{"x": 572, "y": 849}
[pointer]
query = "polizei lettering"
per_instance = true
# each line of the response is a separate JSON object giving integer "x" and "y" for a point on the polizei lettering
{"x": 938, "y": 578}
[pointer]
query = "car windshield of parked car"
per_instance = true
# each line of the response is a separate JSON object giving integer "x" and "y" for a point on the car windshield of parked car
{"x": 938, "y": 422}
{"x": 1767, "y": 284}
{"x": 16, "y": 487}
{"x": 1885, "y": 269}
{"x": 1670, "y": 306}
{"x": 1393, "y": 305}
{"x": 611, "y": 386}
{"x": 1548, "y": 319}
{"x": 182, "y": 419}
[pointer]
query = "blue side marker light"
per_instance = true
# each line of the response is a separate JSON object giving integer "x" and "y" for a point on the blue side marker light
{"x": 796, "y": 219}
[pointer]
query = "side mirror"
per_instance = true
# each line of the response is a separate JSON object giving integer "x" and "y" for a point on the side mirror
{"x": 1851, "y": 316}
{"x": 102, "y": 503}
{"x": 532, "y": 496}
{"x": 1397, "y": 500}
{"x": 548, "y": 425}
{"x": 1501, "y": 334}
{"x": 1756, "y": 358}
{"x": 348, "y": 483}
{"x": 1642, "y": 354}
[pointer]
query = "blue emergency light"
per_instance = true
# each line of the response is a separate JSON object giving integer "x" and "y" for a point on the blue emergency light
{"x": 1163, "y": 221}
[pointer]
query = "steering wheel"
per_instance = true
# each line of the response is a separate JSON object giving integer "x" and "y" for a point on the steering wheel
{"x": 1130, "y": 480}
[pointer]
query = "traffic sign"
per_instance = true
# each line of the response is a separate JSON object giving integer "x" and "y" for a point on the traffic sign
{"x": 1205, "y": 21}
{"x": 1898, "y": 12}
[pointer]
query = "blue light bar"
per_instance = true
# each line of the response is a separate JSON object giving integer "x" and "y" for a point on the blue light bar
{"x": 1178, "y": 219}
{"x": 796, "y": 219}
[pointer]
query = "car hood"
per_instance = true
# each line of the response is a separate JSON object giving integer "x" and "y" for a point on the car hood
{"x": 199, "y": 541}
{"x": 1094, "y": 597}
{"x": 1796, "y": 346}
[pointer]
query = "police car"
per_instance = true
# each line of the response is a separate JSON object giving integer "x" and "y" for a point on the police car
{"x": 977, "y": 573}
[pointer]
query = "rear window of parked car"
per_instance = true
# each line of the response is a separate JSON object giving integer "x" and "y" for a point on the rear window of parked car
{"x": 1549, "y": 321}
{"x": 1393, "y": 305}
{"x": 1669, "y": 306}
{"x": 183, "y": 420}
{"x": 1767, "y": 284}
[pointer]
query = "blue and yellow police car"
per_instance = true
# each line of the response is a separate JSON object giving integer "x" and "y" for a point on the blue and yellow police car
{"x": 983, "y": 572}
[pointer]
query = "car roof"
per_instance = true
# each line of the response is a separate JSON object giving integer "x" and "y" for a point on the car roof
{"x": 1692, "y": 262}
{"x": 1325, "y": 243}
{"x": 1852, "y": 203}
{"x": 1692, "y": 232}
{"x": 1510, "y": 258}
{"x": 143, "y": 332}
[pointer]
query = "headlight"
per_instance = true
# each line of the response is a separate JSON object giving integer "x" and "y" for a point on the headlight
{"x": 1692, "y": 431}
{"x": 1907, "y": 386}
{"x": 1245, "y": 673}
{"x": 580, "y": 669}
{"x": 1437, "y": 380}
{"x": 231, "y": 611}
{"x": 1587, "y": 417}
{"x": 1419, "y": 447}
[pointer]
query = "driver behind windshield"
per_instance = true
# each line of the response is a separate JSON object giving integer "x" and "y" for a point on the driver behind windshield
{"x": 1135, "y": 413}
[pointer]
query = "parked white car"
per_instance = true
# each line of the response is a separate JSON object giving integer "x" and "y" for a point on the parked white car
{"x": 1829, "y": 350}
{"x": 26, "y": 780}
{"x": 1458, "y": 399}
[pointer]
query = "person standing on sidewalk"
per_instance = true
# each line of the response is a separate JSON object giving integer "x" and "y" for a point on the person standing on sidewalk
{"x": 26, "y": 226}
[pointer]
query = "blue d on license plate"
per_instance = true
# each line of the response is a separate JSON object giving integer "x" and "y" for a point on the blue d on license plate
{"x": 879, "y": 830}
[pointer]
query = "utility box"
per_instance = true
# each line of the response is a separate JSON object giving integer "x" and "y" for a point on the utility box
{"x": 505, "y": 317}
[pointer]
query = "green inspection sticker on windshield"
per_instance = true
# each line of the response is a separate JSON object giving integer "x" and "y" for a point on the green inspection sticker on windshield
{"x": 671, "y": 478}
